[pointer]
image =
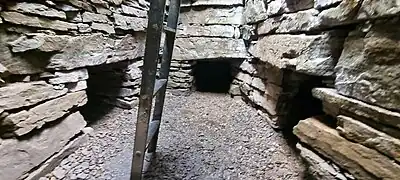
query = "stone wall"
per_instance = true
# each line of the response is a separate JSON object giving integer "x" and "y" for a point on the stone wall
{"x": 346, "y": 53}
{"x": 208, "y": 30}
{"x": 49, "y": 51}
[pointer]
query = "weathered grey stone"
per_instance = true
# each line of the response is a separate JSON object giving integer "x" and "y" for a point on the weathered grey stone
{"x": 344, "y": 13}
{"x": 84, "y": 28}
{"x": 206, "y": 31}
{"x": 18, "y": 95}
{"x": 76, "y": 86}
{"x": 41, "y": 42}
{"x": 324, "y": 4}
{"x": 209, "y": 16}
{"x": 273, "y": 90}
{"x": 27, "y": 154}
{"x": 246, "y": 66}
{"x": 275, "y": 122}
{"x": 134, "y": 11}
{"x": 356, "y": 107}
{"x": 109, "y": 29}
{"x": 254, "y": 11}
{"x": 69, "y": 76}
{"x": 378, "y": 8}
{"x": 245, "y": 32}
{"x": 209, "y": 48}
{"x": 38, "y": 9}
{"x": 103, "y": 10}
{"x": 66, "y": 8}
{"x": 3, "y": 70}
{"x": 119, "y": 92}
{"x": 82, "y": 4}
{"x": 234, "y": 90}
{"x": 21, "y": 19}
{"x": 115, "y": 2}
{"x": 314, "y": 54}
{"x": 55, "y": 160}
{"x": 361, "y": 133}
{"x": 360, "y": 161}
{"x": 141, "y": 4}
{"x": 258, "y": 83}
{"x": 97, "y": 49}
{"x": 318, "y": 167}
{"x": 124, "y": 104}
{"x": 276, "y": 7}
{"x": 178, "y": 85}
{"x": 27, "y": 120}
{"x": 271, "y": 105}
{"x": 93, "y": 17}
{"x": 368, "y": 68}
{"x": 100, "y": 2}
{"x": 130, "y": 23}
{"x": 181, "y": 74}
{"x": 59, "y": 172}
{"x": 269, "y": 26}
{"x": 211, "y": 3}
{"x": 301, "y": 21}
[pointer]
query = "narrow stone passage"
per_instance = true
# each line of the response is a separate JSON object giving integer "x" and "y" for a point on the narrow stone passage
{"x": 203, "y": 136}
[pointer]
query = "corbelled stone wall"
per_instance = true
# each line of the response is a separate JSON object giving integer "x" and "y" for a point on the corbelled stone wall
{"x": 49, "y": 51}
{"x": 349, "y": 49}
{"x": 208, "y": 30}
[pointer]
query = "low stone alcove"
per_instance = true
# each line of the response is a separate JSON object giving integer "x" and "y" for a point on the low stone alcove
{"x": 116, "y": 84}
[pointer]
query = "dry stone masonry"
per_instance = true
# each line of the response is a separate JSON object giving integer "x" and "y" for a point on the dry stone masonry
{"x": 348, "y": 51}
{"x": 333, "y": 64}
{"x": 51, "y": 52}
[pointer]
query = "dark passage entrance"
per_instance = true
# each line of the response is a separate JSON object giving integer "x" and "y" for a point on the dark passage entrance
{"x": 213, "y": 76}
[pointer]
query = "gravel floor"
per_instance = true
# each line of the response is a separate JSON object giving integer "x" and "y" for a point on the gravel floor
{"x": 203, "y": 136}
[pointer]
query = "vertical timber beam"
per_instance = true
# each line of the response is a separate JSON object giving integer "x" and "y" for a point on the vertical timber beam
{"x": 172, "y": 23}
{"x": 153, "y": 38}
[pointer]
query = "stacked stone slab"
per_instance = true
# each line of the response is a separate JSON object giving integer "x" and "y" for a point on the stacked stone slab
{"x": 47, "y": 49}
{"x": 354, "y": 43}
{"x": 209, "y": 30}
{"x": 123, "y": 83}
{"x": 288, "y": 52}
{"x": 360, "y": 132}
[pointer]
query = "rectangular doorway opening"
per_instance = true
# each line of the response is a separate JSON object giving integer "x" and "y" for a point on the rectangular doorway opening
{"x": 213, "y": 76}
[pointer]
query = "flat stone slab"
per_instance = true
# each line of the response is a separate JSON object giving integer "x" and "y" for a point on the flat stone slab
{"x": 96, "y": 49}
{"x": 356, "y": 107}
{"x": 17, "y": 95}
{"x": 20, "y": 156}
{"x": 197, "y": 48}
{"x": 210, "y": 16}
{"x": 310, "y": 54}
{"x": 38, "y": 22}
{"x": 225, "y": 31}
{"x": 360, "y": 161}
{"x": 211, "y": 3}
{"x": 361, "y": 133}
{"x": 37, "y": 9}
{"x": 25, "y": 121}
